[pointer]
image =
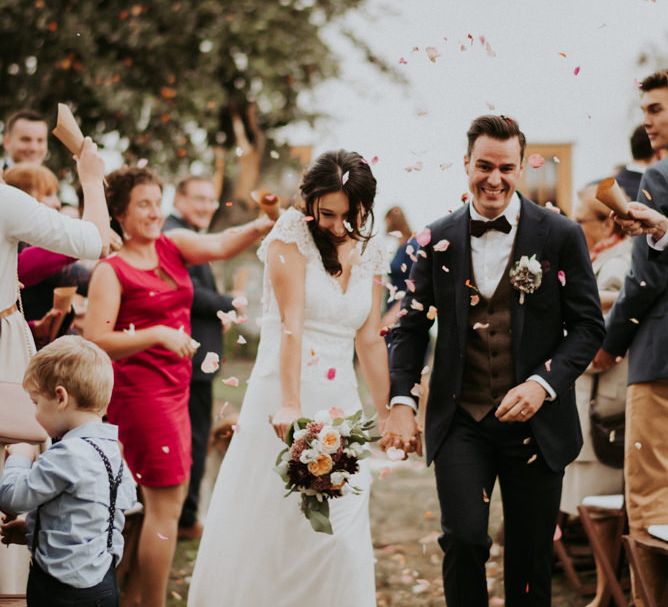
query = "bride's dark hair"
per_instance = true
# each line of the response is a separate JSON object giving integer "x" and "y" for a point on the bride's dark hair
{"x": 339, "y": 171}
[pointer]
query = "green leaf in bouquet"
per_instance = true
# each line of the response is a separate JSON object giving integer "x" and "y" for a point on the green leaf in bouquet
{"x": 317, "y": 512}
{"x": 356, "y": 417}
{"x": 366, "y": 453}
{"x": 298, "y": 424}
{"x": 279, "y": 459}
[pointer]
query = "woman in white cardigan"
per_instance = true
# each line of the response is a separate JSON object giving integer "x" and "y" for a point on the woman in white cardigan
{"x": 24, "y": 219}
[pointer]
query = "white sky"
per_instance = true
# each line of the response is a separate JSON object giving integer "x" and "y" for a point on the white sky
{"x": 528, "y": 79}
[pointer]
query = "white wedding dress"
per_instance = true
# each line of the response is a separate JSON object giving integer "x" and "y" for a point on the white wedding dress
{"x": 258, "y": 549}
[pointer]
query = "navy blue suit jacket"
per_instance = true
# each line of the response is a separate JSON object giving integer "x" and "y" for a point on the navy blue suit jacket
{"x": 563, "y": 325}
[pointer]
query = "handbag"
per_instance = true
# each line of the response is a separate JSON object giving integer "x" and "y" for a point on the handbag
{"x": 17, "y": 411}
{"x": 607, "y": 433}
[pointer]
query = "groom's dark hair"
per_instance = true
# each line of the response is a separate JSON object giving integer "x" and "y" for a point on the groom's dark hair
{"x": 657, "y": 80}
{"x": 496, "y": 127}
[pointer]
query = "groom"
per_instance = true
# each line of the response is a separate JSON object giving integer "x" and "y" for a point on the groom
{"x": 501, "y": 401}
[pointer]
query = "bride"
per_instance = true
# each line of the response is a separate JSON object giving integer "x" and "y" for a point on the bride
{"x": 321, "y": 298}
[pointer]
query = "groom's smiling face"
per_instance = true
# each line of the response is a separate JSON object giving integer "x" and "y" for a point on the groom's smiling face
{"x": 493, "y": 169}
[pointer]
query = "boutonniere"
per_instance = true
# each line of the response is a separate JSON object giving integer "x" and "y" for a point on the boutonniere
{"x": 526, "y": 275}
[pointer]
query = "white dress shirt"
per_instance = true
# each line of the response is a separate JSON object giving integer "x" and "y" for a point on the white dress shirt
{"x": 489, "y": 256}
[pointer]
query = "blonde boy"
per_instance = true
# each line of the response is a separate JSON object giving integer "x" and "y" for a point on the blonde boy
{"x": 75, "y": 492}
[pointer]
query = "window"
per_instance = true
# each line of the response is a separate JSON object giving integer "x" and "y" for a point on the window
{"x": 553, "y": 181}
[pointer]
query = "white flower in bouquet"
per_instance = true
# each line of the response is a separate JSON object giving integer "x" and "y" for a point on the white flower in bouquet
{"x": 355, "y": 449}
{"x": 344, "y": 429}
{"x": 308, "y": 456}
{"x": 330, "y": 439}
{"x": 338, "y": 478}
{"x": 299, "y": 434}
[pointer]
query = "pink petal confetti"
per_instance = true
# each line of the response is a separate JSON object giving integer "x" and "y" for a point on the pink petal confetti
{"x": 241, "y": 340}
{"x": 489, "y": 50}
{"x": 416, "y": 305}
{"x": 432, "y": 53}
{"x": 643, "y": 283}
{"x": 562, "y": 54}
{"x": 165, "y": 449}
{"x": 556, "y": 160}
{"x": 162, "y": 537}
{"x": 211, "y": 363}
{"x": 414, "y": 167}
{"x": 403, "y": 267}
{"x": 490, "y": 106}
{"x": 536, "y": 161}
{"x": 402, "y": 313}
{"x": 425, "y": 370}
{"x": 384, "y": 331}
{"x": 347, "y": 226}
{"x": 445, "y": 166}
{"x": 635, "y": 321}
{"x": 557, "y": 534}
{"x": 576, "y": 71}
{"x": 236, "y": 428}
{"x": 394, "y": 454}
{"x": 470, "y": 38}
{"x": 281, "y": 258}
{"x": 526, "y": 441}
{"x": 142, "y": 163}
{"x": 331, "y": 373}
{"x": 432, "y": 313}
{"x": 637, "y": 445}
{"x": 647, "y": 194}
{"x": 308, "y": 218}
{"x": 335, "y": 412}
{"x": 410, "y": 285}
{"x": 384, "y": 473}
{"x": 345, "y": 178}
{"x": 375, "y": 160}
{"x": 533, "y": 458}
{"x": 442, "y": 245}
{"x": 475, "y": 300}
{"x": 485, "y": 497}
{"x": 480, "y": 325}
{"x": 240, "y": 302}
{"x": 402, "y": 61}
{"x": 130, "y": 330}
{"x": 424, "y": 237}
{"x": 395, "y": 234}
{"x": 231, "y": 381}
{"x": 445, "y": 268}
{"x": 416, "y": 390}
{"x": 465, "y": 197}
{"x": 548, "y": 365}
{"x": 410, "y": 249}
{"x": 422, "y": 253}
{"x": 561, "y": 276}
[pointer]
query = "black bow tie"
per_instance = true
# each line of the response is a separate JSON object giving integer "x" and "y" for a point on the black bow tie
{"x": 478, "y": 228}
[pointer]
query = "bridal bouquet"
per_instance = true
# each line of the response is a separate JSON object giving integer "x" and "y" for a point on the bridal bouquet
{"x": 321, "y": 456}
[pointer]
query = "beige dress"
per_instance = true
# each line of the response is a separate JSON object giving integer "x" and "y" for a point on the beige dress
{"x": 586, "y": 475}
{"x": 22, "y": 218}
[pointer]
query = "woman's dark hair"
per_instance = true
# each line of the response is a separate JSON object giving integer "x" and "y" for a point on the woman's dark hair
{"x": 397, "y": 222}
{"x": 119, "y": 185}
{"x": 339, "y": 171}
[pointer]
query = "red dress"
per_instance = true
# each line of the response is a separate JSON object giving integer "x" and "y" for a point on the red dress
{"x": 151, "y": 388}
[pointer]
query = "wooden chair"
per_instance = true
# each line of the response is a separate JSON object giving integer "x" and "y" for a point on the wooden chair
{"x": 611, "y": 508}
{"x": 658, "y": 550}
{"x": 12, "y": 600}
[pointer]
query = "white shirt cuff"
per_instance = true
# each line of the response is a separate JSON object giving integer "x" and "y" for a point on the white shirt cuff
{"x": 404, "y": 400}
{"x": 660, "y": 245}
{"x": 551, "y": 394}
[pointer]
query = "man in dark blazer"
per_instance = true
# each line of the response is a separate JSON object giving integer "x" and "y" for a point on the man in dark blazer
{"x": 629, "y": 177}
{"x": 638, "y": 322}
{"x": 194, "y": 205}
{"x": 501, "y": 400}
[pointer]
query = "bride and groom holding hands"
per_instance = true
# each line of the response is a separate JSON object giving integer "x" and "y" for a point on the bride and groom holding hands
{"x": 518, "y": 321}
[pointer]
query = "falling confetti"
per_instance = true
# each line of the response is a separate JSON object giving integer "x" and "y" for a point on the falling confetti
{"x": 410, "y": 285}
{"x": 556, "y": 160}
{"x": 331, "y": 373}
{"x": 395, "y": 234}
{"x": 485, "y": 497}
{"x": 414, "y": 167}
{"x": 562, "y": 54}
{"x": 480, "y": 325}
{"x": 274, "y": 154}
{"x": 281, "y": 258}
{"x": 445, "y": 166}
{"x": 347, "y": 226}
{"x": 240, "y": 302}
{"x": 635, "y": 321}
{"x": 576, "y": 71}
{"x": 432, "y": 53}
{"x": 402, "y": 61}
{"x": 637, "y": 445}
{"x": 533, "y": 458}
{"x": 375, "y": 160}
{"x": 643, "y": 283}
{"x": 561, "y": 275}
{"x": 490, "y": 106}
{"x": 475, "y": 300}
{"x": 395, "y": 455}
{"x": 432, "y": 313}
{"x": 162, "y": 537}
{"x": 241, "y": 340}
{"x": 211, "y": 363}
{"x": 403, "y": 267}
{"x": 424, "y": 237}
{"x": 345, "y": 178}
{"x": 536, "y": 161}
{"x": 445, "y": 268}
{"x": 425, "y": 370}
{"x": 416, "y": 305}
{"x": 647, "y": 194}
{"x": 526, "y": 441}
{"x": 441, "y": 245}
{"x": 465, "y": 197}
{"x": 231, "y": 381}
{"x": 165, "y": 449}
{"x": 548, "y": 365}
{"x": 130, "y": 330}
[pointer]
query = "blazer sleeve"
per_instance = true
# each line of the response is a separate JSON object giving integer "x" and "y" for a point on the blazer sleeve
{"x": 647, "y": 280}
{"x": 581, "y": 313}
{"x": 411, "y": 336}
{"x": 207, "y": 301}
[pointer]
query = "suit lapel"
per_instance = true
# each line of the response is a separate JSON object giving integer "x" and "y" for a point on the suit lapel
{"x": 460, "y": 245}
{"x": 529, "y": 241}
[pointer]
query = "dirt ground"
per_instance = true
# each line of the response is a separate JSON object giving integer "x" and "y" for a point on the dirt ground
{"x": 405, "y": 527}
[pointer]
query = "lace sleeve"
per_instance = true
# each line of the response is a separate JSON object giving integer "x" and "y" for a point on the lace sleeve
{"x": 290, "y": 227}
{"x": 376, "y": 256}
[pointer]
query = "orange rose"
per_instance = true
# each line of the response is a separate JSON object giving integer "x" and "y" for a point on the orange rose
{"x": 321, "y": 466}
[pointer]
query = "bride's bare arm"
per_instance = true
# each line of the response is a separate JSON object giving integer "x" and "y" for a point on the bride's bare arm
{"x": 372, "y": 354}
{"x": 287, "y": 273}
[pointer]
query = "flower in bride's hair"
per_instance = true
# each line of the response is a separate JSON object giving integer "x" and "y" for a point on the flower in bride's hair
{"x": 330, "y": 439}
{"x": 321, "y": 465}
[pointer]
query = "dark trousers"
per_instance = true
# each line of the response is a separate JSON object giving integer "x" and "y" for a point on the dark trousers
{"x": 199, "y": 405}
{"x": 45, "y": 590}
{"x": 467, "y": 465}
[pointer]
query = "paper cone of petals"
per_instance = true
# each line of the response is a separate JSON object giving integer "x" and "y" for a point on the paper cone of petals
{"x": 67, "y": 129}
{"x": 269, "y": 203}
{"x": 611, "y": 195}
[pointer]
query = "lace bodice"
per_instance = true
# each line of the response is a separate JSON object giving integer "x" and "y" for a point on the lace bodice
{"x": 331, "y": 316}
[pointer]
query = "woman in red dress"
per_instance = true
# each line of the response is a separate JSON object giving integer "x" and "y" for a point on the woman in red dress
{"x": 139, "y": 312}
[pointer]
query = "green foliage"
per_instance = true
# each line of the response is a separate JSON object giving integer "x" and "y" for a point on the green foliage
{"x": 161, "y": 72}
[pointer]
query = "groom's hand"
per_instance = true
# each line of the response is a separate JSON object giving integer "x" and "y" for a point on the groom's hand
{"x": 522, "y": 402}
{"x": 401, "y": 431}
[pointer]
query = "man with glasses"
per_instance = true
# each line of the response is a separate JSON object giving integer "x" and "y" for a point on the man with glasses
{"x": 194, "y": 206}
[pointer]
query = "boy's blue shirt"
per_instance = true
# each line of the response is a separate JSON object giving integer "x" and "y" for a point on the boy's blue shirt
{"x": 69, "y": 483}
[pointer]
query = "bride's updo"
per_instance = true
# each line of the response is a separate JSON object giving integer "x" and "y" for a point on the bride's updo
{"x": 339, "y": 171}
